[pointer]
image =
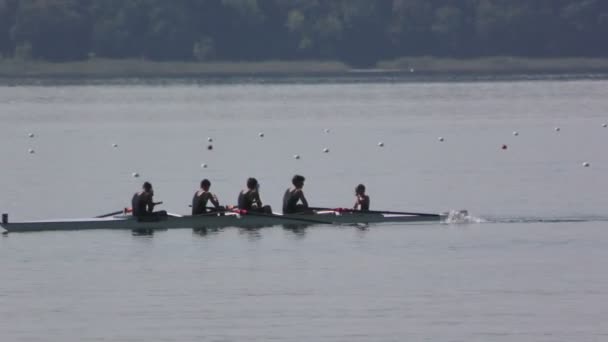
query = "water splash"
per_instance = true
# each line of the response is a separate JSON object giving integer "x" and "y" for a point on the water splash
{"x": 460, "y": 217}
{"x": 463, "y": 217}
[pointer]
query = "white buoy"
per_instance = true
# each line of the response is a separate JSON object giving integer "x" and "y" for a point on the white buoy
{"x": 115, "y": 145}
{"x": 135, "y": 175}
{"x": 586, "y": 164}
{"x": 31, "y": 151}
{"x": 204, "y": 166}
{"x": 516, "y": 133}
{"x": 296, "y": 156}
{"x": 327, "y": 130}
{"x": 209, "y": 139}
{"x": 381, "y": 144}
{"x": 326, "y": 150}
{"x": 31, "y": 135}
{"x": 557, "y": 129}
{"x": 440, "y": 139}
{"x": 604, "y": 125}
{"x": 261, "y": 134}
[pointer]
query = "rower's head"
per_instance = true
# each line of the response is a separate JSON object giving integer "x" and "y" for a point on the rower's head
{"x": 252, "y": 183}
{"x": 205, "y": 184}
{"x": 360, "y": 189}
{"x": 298, "y": 181}
{"x": 147, "y": 186}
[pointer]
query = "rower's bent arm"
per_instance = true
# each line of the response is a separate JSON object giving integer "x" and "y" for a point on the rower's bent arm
{"x": 303, "y": 199}
{"x": 214, "y": 201}
{"x": 258, "y": 199}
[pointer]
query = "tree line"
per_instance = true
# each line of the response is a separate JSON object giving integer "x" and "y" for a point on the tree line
{"x": 358, "y": 32}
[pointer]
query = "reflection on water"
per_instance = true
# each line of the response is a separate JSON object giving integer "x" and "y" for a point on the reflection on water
{"x": 252, "y": 234}
{"x": 143, "y": 232}
{"x": 206, "y": 231}
{"x": 298, "y": 230}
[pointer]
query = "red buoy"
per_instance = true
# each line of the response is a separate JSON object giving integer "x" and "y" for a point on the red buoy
{"x": 504, "y": 147}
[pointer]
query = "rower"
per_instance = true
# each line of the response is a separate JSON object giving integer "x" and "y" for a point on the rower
{"x": 249, "y": 199}
{"x": 201, "y": 197}
{"x": 143, "y": 204}
{"x": 362, "y": 200}
{"x": 295, "y": 195}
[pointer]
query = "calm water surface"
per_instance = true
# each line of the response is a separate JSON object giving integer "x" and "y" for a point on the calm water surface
{"x": 530, "y": 265}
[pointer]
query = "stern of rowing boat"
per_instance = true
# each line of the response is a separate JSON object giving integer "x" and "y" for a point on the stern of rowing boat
{"x": 4, "y": 223}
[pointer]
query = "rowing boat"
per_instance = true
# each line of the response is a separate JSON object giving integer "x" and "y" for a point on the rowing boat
{"x": 216, "y": 220}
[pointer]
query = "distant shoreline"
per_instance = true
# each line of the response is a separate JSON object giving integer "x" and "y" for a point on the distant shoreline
{"x": 402, "y": 67}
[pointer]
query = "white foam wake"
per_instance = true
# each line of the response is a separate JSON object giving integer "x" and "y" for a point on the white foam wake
{"x": 461, "y": 217}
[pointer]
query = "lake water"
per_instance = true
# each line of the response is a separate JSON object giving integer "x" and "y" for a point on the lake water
{"x": 529, "y": 265}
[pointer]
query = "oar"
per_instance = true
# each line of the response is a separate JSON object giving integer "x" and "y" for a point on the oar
{"x": 110, "y": 214}
{"x": 349, "y": 210}
{"x": 296, "y": 219}
{"x": 122, "y": 211}
{"x": 300, "y": 219}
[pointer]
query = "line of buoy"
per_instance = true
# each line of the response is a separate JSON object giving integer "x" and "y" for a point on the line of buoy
{"x": 325, "y": 150}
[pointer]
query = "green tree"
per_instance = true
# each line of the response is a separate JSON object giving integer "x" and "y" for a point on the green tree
{"x": 364, "y": 35}
{"x": 453, "y": 30}
{"x": 409, "y": 27}
{"x": 57, "y": 30}
{"x": 7, "y": 16}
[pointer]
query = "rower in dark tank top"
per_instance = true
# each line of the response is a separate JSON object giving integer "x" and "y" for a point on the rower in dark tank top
{"x": 202, "y": 197}
{"x": 142, "y": 205}
{"x": 142, "y": 202}
{"x": 295, "y": 195}
{"x": 362, "y": 200}
{"x": 249, "y": 199}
